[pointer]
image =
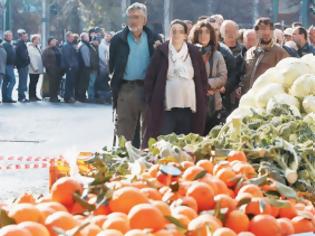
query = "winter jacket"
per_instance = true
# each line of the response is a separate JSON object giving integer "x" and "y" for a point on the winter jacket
{"x": 118, "y": 57}
{"x": 258, "y": 60}
{"x": 70, "y": 58}
{"x": 52, "y": 61}
{"x": 155, "y": 84}
{"x": 11, "y": 54}
{"x": 36, "y": 61}
{"x": 217, "y": 77}
{"x": 3, "y": 60}
{"x": 22, "y": 56}
{"x": 94, "y": 59}
{"x": 84, "y": 55}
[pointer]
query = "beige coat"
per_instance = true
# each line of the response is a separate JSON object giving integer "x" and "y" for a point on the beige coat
{"x": 218, "y": 78}
{"x": 36, "y": 65}
{"x": 258, "y": 60}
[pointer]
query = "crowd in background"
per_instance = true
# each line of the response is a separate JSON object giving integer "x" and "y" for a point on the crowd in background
{"x": 76, "y": 70}
{"x": 186, "y": 82}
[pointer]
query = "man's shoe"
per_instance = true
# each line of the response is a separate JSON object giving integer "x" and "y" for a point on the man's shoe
{"x": 23, "y": 100}
{"x": 9, "y": 101}
{"x": 54, "y": 100}
{"x": 70, "y": 100}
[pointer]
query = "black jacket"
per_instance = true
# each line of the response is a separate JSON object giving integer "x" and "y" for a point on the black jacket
{"x": 11, "y": 55}
{"x": 118, "y": 57}
{"x": 22, "y": 57}
{"x": 94, "y": 57}
{"x": 70, "y": 57}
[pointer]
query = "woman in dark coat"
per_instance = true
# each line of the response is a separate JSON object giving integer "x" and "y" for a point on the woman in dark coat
{"x": 176, "y": 87}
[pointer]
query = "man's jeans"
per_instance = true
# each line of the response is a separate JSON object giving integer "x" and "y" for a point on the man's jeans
{"x": 23, "y": 75}
{"x": 91, "y": 88}
{"x": 71, "y": 77}
{"x": 8, "y": 83}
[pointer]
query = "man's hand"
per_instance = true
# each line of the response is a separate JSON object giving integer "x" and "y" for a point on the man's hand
{"x": 238, "y": 92}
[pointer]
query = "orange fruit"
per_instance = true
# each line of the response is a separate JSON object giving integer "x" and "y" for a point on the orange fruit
{"x": 274, "y": 211}
{"x": 246, "y": 234}
{"x": 25, "y": 212}
{"x": 145, "y": 216}
{"x": 186, "y": 201}
{"x": 242, "y": 196}
{"x": 203, "y": 195}
{"x": 224, "y": 232}
{"x": 152, "y": 193}
{"x": 286, "y": 226}
{"x": 220, "y": 165}
{"x": 164, "y": 179}
{"x": 302, "y": 225}
{"x": 245, "y": 169}
{"x": 137, "y": 232}
{"x": 63, "y": 189}
{"x": 225, "y": 201}
{"x": 237, "y": 221}
{"x": 26, "y": 198}
{"x": 14, "y": 230}
{"x": 183, "y": 219}
{"x": 236, "y": 156}
{"x": 99, "y": 220}
{"x": 258, "y": 206}
{"x": 117, "y": 223}
{"x": 218, "y": 186}
{"x": 110, "y": 232}
{"x": 288, "y": 212}
{"x": 45, "y": 212}
{"x": 186, "y": 164}
{"x": 201, "y": 225}
{"x": 162, "y": 206}
{"x": 262, "y": 225}
{"x": 125, "y": 198}
{"x": 36, "y": 229}
{"x": 89, "y": 230}
{"x": 186, "y": 211}
{"x": 191, "y": 172}
{"x": 207, "y": 165}
{"x": 77, "y": 209}
{"x": 118, "y": 215}
{"x": 227, "y": 175}
{"x": 254, "y": 190}
{"x": 54, "y": 205}
{"x": 153, "y": 171}
{"x": 60, "y": 219}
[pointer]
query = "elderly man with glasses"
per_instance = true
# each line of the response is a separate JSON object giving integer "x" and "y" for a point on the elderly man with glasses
{"x": 130, "y": 53}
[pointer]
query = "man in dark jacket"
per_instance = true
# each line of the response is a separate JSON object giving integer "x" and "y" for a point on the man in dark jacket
{"x": 22, "y": 64}
{"x": 9, "y": 78}
{"x": 3, "y": 62}
{"x": 130, "y": 53}
{"x": 300, "y": 37}
{"x": 52, "y": 62}
{"x": 70, "y": 63}
{"x": 85, "y": 67}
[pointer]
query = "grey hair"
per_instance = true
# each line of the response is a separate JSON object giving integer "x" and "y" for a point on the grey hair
{"x": 83, "y": 34}
{"x": 137, "y": 6}
{"x": 247, "y": 32}
{"x": 225, "y": 23}
{"x": 6, "y": 33}
{"x": 34, "y": 36}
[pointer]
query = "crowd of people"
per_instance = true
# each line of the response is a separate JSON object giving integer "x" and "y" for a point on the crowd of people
{"x": 81, "y": 59}
{"x": 187, "y": 82}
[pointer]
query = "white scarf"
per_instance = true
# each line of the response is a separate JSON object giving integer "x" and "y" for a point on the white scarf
{"x": 179, "y": 59}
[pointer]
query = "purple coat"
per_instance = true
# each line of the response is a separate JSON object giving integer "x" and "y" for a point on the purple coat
{"x": 154, "y": 86}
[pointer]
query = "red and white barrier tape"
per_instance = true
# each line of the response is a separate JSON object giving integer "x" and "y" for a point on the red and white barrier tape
{"x": 25, "y": 163}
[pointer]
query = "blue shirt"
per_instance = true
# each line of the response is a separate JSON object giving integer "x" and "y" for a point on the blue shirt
{"x": 138, "y": 58}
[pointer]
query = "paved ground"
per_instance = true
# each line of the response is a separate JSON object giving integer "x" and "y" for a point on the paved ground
{"x": 45, "y": 129}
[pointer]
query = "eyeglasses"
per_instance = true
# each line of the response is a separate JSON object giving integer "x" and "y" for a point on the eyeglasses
{"x": 134, "y": 17}
{"x": 178, "y": 31}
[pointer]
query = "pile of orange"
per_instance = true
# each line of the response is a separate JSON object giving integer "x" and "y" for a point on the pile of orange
{"x": 206, "y": 198}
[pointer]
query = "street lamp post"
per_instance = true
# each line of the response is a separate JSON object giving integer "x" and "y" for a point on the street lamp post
{"x": 44, "y": 23}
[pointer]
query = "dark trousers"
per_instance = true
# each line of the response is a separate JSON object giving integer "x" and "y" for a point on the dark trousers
{"x": 23, "y": 76}
{"x": 54, "y": 84}
{"x": 8, "y": 83}
{"x": 177, "y": 121}
{"x": 83, "y": 84}
{"x": 71, "y": 76}
{"x": 33, "y": 85}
